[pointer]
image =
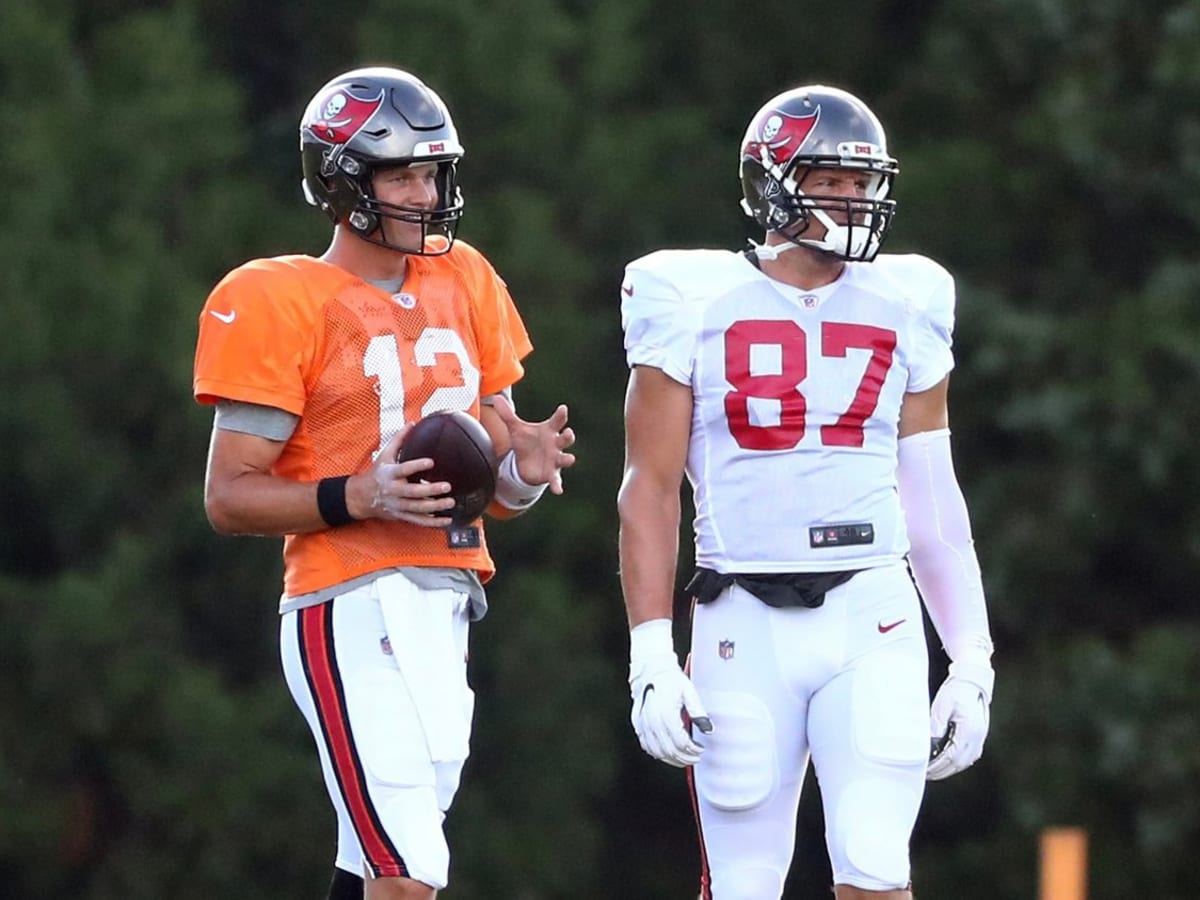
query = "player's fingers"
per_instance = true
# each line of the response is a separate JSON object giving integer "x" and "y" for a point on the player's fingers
{"x": 939, "y": 769}
{"x": 411, "y": 467}
{"x": 435, "y": 505}
{"x": 558, "y": 418}
{"x": 685, "y": 752}
{"x": 691, "y": 702}
{"x": 407, "y": 503}
{"x": 657, "y": 733}
{"x": 392, "y": 447}
{"x": 948, "y": 758}
{"x": 939, "y": 721}
{"x": 680, "y": 747}
{"x": 671, "y": 744}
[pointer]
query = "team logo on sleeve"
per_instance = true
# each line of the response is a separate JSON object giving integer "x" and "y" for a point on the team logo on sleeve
{"x": 779, "y": 136}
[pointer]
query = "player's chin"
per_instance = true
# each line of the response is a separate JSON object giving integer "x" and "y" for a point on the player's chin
{"x": 408, "y": 237}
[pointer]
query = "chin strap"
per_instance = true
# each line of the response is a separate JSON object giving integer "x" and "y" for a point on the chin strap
{"x": 834, "y": 248}
{"x": 854, "y": 242}
{"x": 772, "y": 251}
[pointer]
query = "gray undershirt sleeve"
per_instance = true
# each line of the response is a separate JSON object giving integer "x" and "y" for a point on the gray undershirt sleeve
{"x": 490, "y": 399}
{"x": 253, "y": 418}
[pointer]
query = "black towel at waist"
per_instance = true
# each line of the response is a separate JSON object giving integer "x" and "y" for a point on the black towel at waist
{"x": 781, "y": 590}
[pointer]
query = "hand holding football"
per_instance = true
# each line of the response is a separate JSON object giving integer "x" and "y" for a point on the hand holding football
{"x": 462, "y": 455}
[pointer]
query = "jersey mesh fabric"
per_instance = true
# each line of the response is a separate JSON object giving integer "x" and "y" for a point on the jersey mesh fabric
{"x": 357, "y": 363}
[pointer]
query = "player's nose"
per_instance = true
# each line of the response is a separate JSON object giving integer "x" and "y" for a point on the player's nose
{"x": 427, "y": 194}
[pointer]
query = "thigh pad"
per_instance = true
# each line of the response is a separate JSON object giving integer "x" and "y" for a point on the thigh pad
{"x": 739, "y": 769}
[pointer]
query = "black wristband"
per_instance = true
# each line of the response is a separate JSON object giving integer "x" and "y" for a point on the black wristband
{"x": 331, "y": 501}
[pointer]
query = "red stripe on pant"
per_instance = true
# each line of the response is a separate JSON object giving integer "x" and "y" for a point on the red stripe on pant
{"x": 325, "y": 684}
{"x": 705, "y": 872}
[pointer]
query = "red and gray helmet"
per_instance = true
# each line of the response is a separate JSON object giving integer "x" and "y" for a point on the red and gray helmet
{"x": 375, "y": 117}
{"x": 818, "y": 127}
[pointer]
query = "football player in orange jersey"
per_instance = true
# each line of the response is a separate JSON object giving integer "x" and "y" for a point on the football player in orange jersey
{"x": 317, "y": 367}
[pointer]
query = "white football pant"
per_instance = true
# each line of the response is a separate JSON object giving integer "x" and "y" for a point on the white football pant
{"x": 380, "y": 675}
{"x": 847, "y": 684}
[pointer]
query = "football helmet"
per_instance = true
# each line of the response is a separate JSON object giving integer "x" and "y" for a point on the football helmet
{"x": 374, "y": 117}
{"x": 815, "y": 127}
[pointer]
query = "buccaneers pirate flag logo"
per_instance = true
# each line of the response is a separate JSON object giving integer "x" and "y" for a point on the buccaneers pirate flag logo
{"x": 340, "y": 116}
{"x": 779, "y": 136}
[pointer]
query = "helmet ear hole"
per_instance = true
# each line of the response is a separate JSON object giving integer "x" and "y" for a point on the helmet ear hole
{"x": 363, "y": 223}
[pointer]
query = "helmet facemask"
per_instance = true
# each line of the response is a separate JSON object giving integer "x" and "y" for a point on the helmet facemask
{"x": 854, "y": 225}
{"x": 353, "y": 178}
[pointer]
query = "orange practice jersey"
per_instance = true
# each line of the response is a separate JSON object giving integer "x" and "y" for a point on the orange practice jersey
{"x": 356, "y": 363}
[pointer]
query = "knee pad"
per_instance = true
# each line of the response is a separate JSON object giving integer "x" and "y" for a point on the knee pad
{"x": 869, "y": 830}
{"x": 739, "y": 769}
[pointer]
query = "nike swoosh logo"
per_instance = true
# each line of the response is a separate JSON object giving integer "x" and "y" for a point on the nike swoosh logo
{"x": 884, "y": 629}
{"x": 627, "y": 289}
{"x": 227, "y": 318}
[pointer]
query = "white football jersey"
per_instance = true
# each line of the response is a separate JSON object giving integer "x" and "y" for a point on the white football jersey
{"x": 797, "y": 393}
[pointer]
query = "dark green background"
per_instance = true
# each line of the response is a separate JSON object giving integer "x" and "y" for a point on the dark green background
{"x": 1050, "y": 155}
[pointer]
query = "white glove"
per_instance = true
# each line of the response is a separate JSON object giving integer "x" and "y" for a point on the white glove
{"x": 958, "y": 720}
{"x": 661, "y": 693}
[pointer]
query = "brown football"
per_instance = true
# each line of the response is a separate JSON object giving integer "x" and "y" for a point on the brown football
{"x": 462, "y": 455}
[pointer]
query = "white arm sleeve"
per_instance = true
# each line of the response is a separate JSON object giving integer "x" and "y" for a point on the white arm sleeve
{"x": 942, "y": 551}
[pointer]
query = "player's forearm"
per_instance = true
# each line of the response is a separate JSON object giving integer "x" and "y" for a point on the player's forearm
{"x": 255, "y": 503}
{"x": 649, "y": 548}
{"x": 942, "y": 552}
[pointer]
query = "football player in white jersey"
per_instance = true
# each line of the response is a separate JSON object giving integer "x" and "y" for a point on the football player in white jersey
{"x": 801, "y": 388}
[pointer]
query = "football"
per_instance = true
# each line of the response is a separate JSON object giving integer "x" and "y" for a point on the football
{"x": 462, "y": 455}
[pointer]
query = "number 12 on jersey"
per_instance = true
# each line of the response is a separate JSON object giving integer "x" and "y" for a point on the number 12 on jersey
{"x": 784, "y": 386}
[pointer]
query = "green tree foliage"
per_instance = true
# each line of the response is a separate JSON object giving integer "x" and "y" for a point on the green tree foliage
{"x": 1049, "y": 158}
{"x": 133, "y": 673}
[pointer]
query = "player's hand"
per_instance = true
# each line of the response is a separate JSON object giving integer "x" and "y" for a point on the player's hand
{"x": 540, "y": 447}
{"x": 383, "y": 491}
{"x": 661, "y": 695}
{"x": 959, "y": 718}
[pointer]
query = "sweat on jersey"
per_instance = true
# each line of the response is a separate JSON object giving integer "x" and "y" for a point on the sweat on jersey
{"x": 797, "y": 394}
{"x": 356, "y": 363}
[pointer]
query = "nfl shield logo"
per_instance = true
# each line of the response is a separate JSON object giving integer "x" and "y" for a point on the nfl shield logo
{"x": 725, "y": 649}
